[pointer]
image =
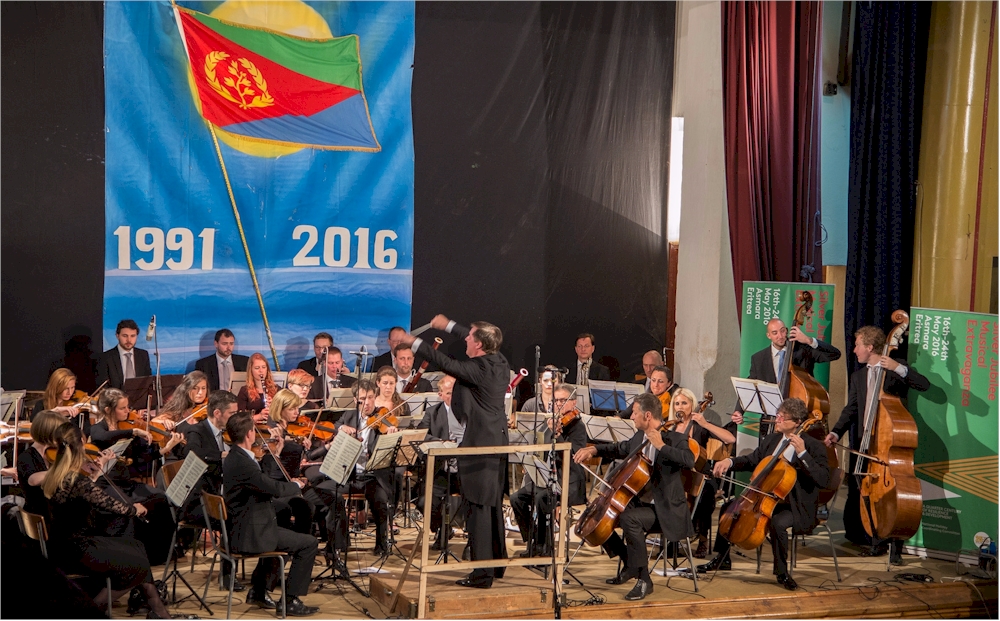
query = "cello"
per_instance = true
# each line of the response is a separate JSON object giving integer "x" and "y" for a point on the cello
{"x": 745, "y": 521}
{"x": 799, "y": 383}
{"x": 891, "y": 500}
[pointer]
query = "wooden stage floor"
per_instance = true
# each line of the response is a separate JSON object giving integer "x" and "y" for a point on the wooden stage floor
{"x": 868, "y": 589}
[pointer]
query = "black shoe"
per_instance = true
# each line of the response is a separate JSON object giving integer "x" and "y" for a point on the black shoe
{"x": 717, "y": 563}
{"x": 436, "y": 546}
{"x": 238, "y": 587}
{"x": 476, "y": 582}
{"x": 621, "y": 578}
{"x": 262, "y": 599}
{"x": 641, "y": 589}
{"x": 380, "y": 551}
{"x": 881, "y": 550}
{"x": 895, "y": 559}
{"x": 136, "y": 602}
{"x": 786, "y": 581}
{"x": 295, "y": 608}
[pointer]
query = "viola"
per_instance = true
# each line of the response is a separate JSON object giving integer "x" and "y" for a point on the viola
{"x": 569, "y": 417}
{"x": 891, "y": 500}
{"x": 745, "y": 521}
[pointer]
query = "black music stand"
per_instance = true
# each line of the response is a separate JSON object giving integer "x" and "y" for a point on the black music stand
{"x": 138, "y": 388}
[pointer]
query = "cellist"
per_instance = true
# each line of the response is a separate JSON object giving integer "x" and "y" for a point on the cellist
{"x": 808, "y": 456}
{"x": 662, "y": 504}
{"x": 867, "y": 342}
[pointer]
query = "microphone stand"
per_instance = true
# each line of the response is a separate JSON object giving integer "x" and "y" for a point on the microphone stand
{"x": 156, "y": 352}
{"x": 530, "y": 539}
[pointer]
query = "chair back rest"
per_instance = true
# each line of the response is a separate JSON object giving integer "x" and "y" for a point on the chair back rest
{"x": 215, "y": 506}
{"x": 169, "y": 471}
{"x": 33, "y": 526}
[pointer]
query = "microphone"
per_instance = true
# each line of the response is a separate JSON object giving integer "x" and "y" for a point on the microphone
{"x": 362, "y": 352}
{"x": 151, "y": 330}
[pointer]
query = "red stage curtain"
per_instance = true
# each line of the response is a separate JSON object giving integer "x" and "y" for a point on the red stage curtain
{"x": 770, "y": 87}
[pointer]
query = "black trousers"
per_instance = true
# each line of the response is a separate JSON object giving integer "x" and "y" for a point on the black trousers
{"x": 636, "y": 520}
{"x": 522, "y": 502}
{"x": 337, "y": 520}
{"x": 484, "y": 523}
{"x": 781, "y": 521}
{"x": 302, "y": 548}
{"x": 442, "y": 490}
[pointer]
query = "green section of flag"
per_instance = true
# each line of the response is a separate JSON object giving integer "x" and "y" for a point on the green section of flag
{"x": 335, "y": 61}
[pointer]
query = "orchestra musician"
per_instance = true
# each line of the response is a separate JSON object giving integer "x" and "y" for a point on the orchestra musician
{"x": 478, "y": 402}
{"x": 300, "y": 382}
{"x": 60, "y": 390}
{"x": 77, "y": 542}
{"x": 405, "y": 370}
{"x": 547, "y": 379}
{"x": 441, "y": 424}
{"x": 650, "y": 360}
{"x": 586, "y": 368}
{"x": 335, "y": 377}
{"x": 388, "y": 359}
{"x": 295, "y": 511}
{"x": 661, "y": 380}
{"x": 662, "y": 504}
{"x": 32, "y": 465}
{"x": 868, "y": 341}
{"x": 765, "y": 365}
{"x": 191, "y": 393}
{"x": 220, "y": 366}
{"x": 798, "y": 510}
{"x": 249, "y": 499}
{"x": 322, "y": 342}
{"x": 387, "y": 397}
{"x": 125, "y": 360}
{"x": 541, "y": 499}
{"x": 260, "y": 388}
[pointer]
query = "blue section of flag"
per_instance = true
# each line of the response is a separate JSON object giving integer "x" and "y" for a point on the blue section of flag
{"x": 345, "y": 124}
{"x": 330, "y": 232}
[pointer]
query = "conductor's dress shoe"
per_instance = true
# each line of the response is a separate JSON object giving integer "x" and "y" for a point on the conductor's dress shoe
{"x": 476, "y": 582}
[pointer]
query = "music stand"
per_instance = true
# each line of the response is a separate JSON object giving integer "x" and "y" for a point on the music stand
{"x": 338, "y": 466}
{"x": 10, "y": 404}
{"x": 612, "y": 396}
{"x": 608, "y": 429}
{"x": 237, "y": 380}
{"x": 384, "y": 456}
{"x": 340, "y": 399}
{"x": 758, "y": 397}
{"x": 177, "y": 494}
{"x": 138, "y": 388}
{"x": 420, "y": 402}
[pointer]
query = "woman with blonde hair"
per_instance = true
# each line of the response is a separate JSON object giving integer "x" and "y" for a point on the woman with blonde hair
{"x": 78, "y": 545}
{"x": 31, "y": 462}
{"x": 260, "y": 389}
{"x": 60, "y": 389}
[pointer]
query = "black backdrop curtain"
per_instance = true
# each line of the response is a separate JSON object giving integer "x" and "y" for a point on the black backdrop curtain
{"x": 771, "y": 53}
{"x": 541, "y": 134}
{"x": 890, "y": 55}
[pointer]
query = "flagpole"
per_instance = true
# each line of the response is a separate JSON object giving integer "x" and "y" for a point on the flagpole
{"x": 246, "y": 248}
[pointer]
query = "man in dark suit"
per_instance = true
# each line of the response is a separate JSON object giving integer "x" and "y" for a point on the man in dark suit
{"x": 478, "y": 401}
{"x": 898, "y": 380}
{"x": 540, "y": 498}
{"x": 405, "y": 371}
{"x": 441, "y": 424}
{"x": 255, "y": 525}
{"x": 662, "y": 504}
{"x": 650, "y": 360}
{"x": 387, "y": 359}
{"x": 334, "y": 379}
{"x": 220, "y": 366}
{"x": 765, "y": 364}
{"x": 808, "y": 456}
{"x": 321, "y": 343}
{"x": 586, "y": 368}
{"x": 125, "y": 360}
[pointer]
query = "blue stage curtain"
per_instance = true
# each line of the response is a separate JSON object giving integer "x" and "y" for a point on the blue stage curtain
{"x": 890, "y": 54}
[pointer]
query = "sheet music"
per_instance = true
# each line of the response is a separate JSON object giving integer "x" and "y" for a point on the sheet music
{"x": 119, "y": 450}
{"x": 10, "y": 403}
{"x": 340, "y": 459}
{"x": 424, "y": 447}
{"x": 539, "y": 473}
{"x": 597, "y": 428}
{"x": 186, "y": 478}
{"x": 526, "y": 421}
{"x": 341, "y": 399}
{"x": 433, "y": 377}
{"x": 407, "y": 453}
{"x": 747, "y": 389}
{"x": 420, "y": 402}
{"x": 520, "y": 437}
{"x": 382, "y": 454}
{"x": 621, "y": 428}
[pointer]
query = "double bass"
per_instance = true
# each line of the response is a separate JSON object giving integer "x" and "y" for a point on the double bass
{"x": 891, "y": 501}
{"x": 798, "y": 383}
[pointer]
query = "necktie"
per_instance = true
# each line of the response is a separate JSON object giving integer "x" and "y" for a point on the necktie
{"x": 781, "y": 362}
{"x": 226, "y": 374}
{"x": 584, "y": 370}
{"x": 129, "y": 366}
{"x": 218, "y": 439}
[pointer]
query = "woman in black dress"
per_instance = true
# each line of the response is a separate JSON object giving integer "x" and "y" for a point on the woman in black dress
{"x": 260, "y": 389}
{"x": 77, "y": 542}
{"x": 31, "y": 463}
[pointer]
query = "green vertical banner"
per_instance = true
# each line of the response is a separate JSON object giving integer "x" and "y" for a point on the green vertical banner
{"x": 956, "y": 456}
{"x": 763, "y": 301}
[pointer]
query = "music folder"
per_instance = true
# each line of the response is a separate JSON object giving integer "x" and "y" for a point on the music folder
{"x": 612, "y": 395}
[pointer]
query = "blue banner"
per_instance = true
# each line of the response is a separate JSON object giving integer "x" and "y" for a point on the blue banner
{"x": 329, "y": 232}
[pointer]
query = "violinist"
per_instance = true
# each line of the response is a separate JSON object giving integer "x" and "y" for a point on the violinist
{"x": 387, "y": 397}
{"x": 334, "y": 379}
{"x": 31, "y": 462}
{"x": 868, "y": 341}
{"x": 220, "y": 366}
{"x": 808, "y": 456}
{"x": 189, "y": 395}
{"x": 249, "y": 498}
{"x": 541, "y": 499}
{"x": 60, "y": 392}
{"x": 661, "y": 381}
{"x": 405, "y": 371}
{"x": 441, "y": 424}
{"x": 125, "y": 360}
{"x": 766, "y": 365}
{"x": 300, "y": 382}
{"x": 294, "y": 512}
{"x": 259, "y": 390}
{"x": 661, "y": 506}
{"x": 78, "y": 544}
{"x": 322, "y": 342}
{"x": 694, "y": 425}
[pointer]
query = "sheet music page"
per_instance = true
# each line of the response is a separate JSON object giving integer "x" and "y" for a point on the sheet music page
{"x": 119, "y": 450}
{"x": 420, "y": 402}
{"x": 186, "y": 478}
{"x": 542, "y": 475}
{"x": 433, "y": 444}
{"x": 381, "y": 455}
{"x": 621, "y": 428}
{"x": 340, "y": 459}
{"x": 407, "y": 454}
{"x": 597, "y": 428}
{"x": 341, "y": 398}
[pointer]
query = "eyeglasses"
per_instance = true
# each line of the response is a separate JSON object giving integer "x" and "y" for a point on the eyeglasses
{"x": 561, "y": 400}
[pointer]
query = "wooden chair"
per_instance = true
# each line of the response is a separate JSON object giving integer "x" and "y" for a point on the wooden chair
{"x": 33, "y": 526}
{"x": 214, "y": 507}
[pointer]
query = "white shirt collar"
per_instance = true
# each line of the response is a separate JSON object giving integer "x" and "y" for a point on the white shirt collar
{"x": 220, "y": 359}
{"x": 122, "y": 352}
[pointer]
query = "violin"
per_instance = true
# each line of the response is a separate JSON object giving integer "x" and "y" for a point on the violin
{"x": 198, "y": 414}
{"x": 304, "y": 427}
{"x": 745, "y": 521}
{"x": 569, "y": 417}
{"x": 891, "y": 500}
{"x": 383, "y": 418}
{"x": 90, "y": 451}
{"x": 159, "y": 433}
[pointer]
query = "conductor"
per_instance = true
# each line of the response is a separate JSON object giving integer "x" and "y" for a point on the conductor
{"x": 478, "y": 402}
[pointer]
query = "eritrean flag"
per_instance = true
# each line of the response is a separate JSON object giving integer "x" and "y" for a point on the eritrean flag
{"x": 273, "y": 87}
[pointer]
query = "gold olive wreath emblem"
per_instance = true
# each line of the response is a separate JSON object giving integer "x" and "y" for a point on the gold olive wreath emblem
{"x": 239, "y": 81}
